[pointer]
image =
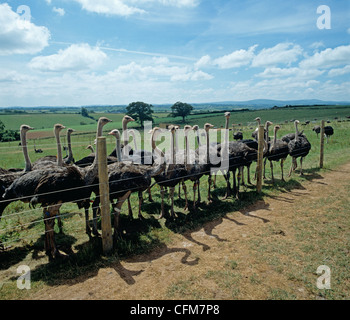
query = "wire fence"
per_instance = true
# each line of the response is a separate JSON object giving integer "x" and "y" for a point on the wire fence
{"x": 178, "y": 173}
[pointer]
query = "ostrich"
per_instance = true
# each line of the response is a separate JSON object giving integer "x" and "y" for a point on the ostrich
{"x": 195, "y": 170}
{"x": 7, "y": 177}
{"x": 238, "y": 135}
{"x": 171, "y": 176}
{"x": 267, "y": 139}
{"x": 143, "y": 183}
{"x": 255, "y": 133}
{"x": 278, "y": 150}
{"x": 125, "y": 177}
{"x": 47, "y": 184}
{"x": 137, "y": 156}
{"x": 69, "y": 159}
{"x": 128, "y": 150}
{"x": 37, "y": 150}
{"x": 203, "y": 157}
{"x": 298, "y": 147}
{"x": 235, "y": 155}
{"x": 328, "y": 131}
{"x": 88, "y": 160}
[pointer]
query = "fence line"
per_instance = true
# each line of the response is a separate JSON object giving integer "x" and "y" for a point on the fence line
{"x": 185, "y": 177}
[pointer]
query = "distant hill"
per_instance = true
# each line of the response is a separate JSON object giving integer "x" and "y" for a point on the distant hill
{"x": 207, "y": 106}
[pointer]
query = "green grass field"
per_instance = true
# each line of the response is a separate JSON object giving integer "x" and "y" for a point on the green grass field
{"x": 22, "y": 227}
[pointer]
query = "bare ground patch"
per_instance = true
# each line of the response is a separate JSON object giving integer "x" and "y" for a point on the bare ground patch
{"x": 268, "y": 250}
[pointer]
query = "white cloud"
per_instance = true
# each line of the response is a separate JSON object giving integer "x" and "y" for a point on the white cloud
{"x": 158, "y": 71}
{"x": 192, "y": 76}
{"x": 203, "y": 62}
{"x": 109, "y": 7}
{"x": 339, "y": 71}
{"x": 180, "y": 3}
{"x": 19, "y": 36}
{"x": 75, "y": 57}
{"x": 59, "y": 11}
{"x": 236, "y": 59}
{"x": 290, "y": 72}
{"x": 125, "y": 8}
{"x": 328, "y": 58}
{"x": 282, "y": 53}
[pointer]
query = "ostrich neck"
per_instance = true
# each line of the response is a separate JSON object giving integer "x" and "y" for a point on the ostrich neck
{"x": 296, "y": 131}
{"x": 267, "y": 132}
{"x": 99, "y": 133}
{"x": 28, "y": 166}
{"x": 118, "y": 148}
{"x": 125, "y": 133}
{"x": 155, "y": 148}
{"x": 198, "y": 139}
{"x": 59, "y": 150}
{"x": 70, "y": 152}
{"x": 173, "y": 148}
{"x": 186, "y": 150}
{"x": 226, "y": 131}
{"x": 207, "y": 134}
{"x": 274, "y": 137}
{"x": 132, "y": 132}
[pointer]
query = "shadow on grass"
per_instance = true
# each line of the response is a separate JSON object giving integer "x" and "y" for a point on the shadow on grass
{"x": 137, "y": 238}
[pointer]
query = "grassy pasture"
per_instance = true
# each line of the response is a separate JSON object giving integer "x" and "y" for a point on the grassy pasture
{"x": 24, "y": 232}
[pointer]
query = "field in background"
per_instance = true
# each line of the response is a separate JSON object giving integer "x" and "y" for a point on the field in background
{"x": 24, "y": 232}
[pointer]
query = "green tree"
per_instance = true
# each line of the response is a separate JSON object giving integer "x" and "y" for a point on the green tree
{"x": 140, "y": 111}
{"x": 181, "y": 109}
{"x": 84, "y": 112}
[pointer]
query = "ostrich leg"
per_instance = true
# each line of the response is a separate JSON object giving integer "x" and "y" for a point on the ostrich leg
{"x": 301, "y": 166}
{"x": 282, "y": 162}
{"x": 194, "y": 195}
{"x": 140, "y": 203}
{"x": 172, "y": 212}
{"x": 185, "y": 192}
{"x": 50, "y": 214}
{"x": 162, "y": 205}
{"x": 199, "y": 193}
{"x": 117, "y": 209}
{"x": 272, "y": 177}
{"x": 149, "y": 195}
{"x": 129, "y": 208}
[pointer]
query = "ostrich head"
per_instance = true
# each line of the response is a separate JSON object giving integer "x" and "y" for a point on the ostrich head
{"x": 128, "y": 119}
{"x": 227, "y": 114}
{"x": 25, "y": 128}
{"x": 195, "y": 127}
{"x": 208, "y": 126}
{"x": 172, "y": 128}
{"x": 70, "y": 130}
{"x": 268, "y": 123}
{"x": 58, "y": 127}
{"x": 104, "y": 120}
{"x": 115, "y": 133}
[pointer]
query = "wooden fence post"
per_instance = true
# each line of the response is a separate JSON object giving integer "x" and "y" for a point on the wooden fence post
{"x": 322, "y": 144}
{"x": 259, "y": 167}
{"x": 106, "y": 226}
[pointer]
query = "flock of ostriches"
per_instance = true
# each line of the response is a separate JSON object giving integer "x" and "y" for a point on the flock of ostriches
{"x": 53, "y": 180}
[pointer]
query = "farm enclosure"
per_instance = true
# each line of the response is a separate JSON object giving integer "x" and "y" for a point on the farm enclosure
{"x": 143, "y": 236}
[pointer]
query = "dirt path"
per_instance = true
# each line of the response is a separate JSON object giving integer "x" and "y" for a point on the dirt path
{"x": 219, "y": 258}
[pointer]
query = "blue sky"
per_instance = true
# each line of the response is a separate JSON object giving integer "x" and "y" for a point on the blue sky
{"x": 83, "y": 52}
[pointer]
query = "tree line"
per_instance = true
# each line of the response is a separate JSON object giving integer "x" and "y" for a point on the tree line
{"x": 8, "y": 135}
{"x": 142, "y": 111}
